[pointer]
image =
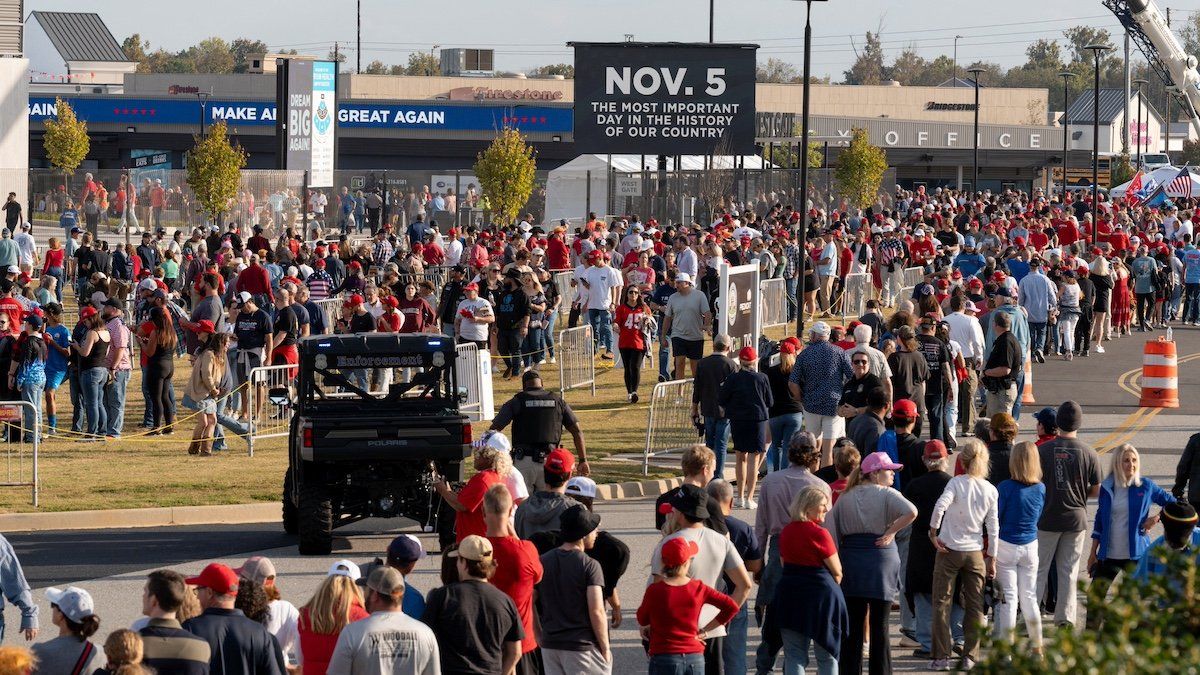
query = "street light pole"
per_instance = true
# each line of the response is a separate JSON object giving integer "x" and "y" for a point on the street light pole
{"x": 802, "y": 230}
{"x": 431, "y": 61}
{"x": 202, "y": 96}
{"x": 975, "y": 141}
{"x": 1140, "y": 83}
{"x": 712, "y": 10}
{"x": 954, "y": 80}
{"x": 1097, "y": 51}
{"x": 358, "y": 52}
{"x": 1066, "y": 76}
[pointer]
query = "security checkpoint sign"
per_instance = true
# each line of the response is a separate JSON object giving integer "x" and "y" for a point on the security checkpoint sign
{"x": 738, "y": 313}
{"x": 664, "y": 98}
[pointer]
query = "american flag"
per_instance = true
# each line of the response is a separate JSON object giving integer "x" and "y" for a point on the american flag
{"x": 1181, "y": 185}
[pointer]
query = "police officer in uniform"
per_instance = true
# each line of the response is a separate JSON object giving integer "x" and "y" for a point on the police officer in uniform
{"x": 538, "y": 418}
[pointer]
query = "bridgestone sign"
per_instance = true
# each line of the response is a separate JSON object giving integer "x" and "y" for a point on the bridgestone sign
{"x": 664, "y": 98}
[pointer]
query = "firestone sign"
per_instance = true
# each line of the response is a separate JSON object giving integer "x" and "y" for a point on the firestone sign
{"x": 490, "y": 94}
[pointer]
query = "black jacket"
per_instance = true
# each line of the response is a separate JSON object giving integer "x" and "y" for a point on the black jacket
{"x": 745, "y": 395}
{"x": 1188, "y": 472}
{"x": 711, "y": 372}
{"x": 240, "y": 646}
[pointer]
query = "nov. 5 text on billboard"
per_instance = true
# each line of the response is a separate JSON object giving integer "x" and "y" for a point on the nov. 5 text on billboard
{"x": 664, "y": 98}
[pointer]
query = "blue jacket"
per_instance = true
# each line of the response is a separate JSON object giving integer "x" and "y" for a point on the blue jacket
{"x": 1140, "y": 497}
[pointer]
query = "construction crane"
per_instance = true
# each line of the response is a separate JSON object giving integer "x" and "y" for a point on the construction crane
{"x": 1150, "y": 32}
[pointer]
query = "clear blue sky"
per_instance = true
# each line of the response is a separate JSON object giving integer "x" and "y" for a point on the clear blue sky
{"x": 534, "y": 32}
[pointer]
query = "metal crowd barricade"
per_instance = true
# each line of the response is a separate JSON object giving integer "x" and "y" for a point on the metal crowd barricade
{"x": 669, "y": 425}
{"x": 474, "y": 368}
{"x": 436, "y": 276}
{"x": 576, "y": 358}
{"x": 856, "y": 290}
{"x": 566, "y": 291}
{"x": 913, "y": 275}
{"x": 331, "y": 310}
{"x": 773, "y": 302}
{"x": 20, "y": 459}
{"x": 905, "y": 293}
{"x": 268, "y": 420}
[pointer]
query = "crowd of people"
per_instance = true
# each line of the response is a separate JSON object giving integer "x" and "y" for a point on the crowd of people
{"x": 879, "y": 460}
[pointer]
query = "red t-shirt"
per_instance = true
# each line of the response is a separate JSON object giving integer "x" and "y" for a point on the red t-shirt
{"x": 1038, "y": 239}
{"x": 629, "y": 329}
{"x": 518, "y": 570}
{"x": 318, "y": 647}
{"x": 470, "y": 521}
{"x": 15, "y": 312}
{"x": 390, "y": 322}
{"x": 805, "y": 543}
{"x": 837, "y": 487}
{"x": 416, "y": 313}
{"x": 921, "y": 250}
{"x": 557, "y": 254}
{"x": 1067, "y": 234}
{"x": 673, "y": 613}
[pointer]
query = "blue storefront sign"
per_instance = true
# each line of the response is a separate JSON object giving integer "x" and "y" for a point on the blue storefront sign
{"x": 350, "y": 115}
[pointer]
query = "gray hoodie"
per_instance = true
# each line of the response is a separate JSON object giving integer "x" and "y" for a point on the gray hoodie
{"x": 540, "y": 513}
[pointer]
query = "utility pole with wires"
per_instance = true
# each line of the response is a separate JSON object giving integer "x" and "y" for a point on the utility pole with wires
{"x": 358, "y": 36}
{"x": 337, "y": 57}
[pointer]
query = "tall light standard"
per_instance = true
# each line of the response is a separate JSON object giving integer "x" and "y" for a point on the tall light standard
{"x": 1097, "y": 50}
{"x": 955, "y": 78}
{"x": 1140, "y": 82}
{"x": 432, "y": 63}
{"x": 1066, "y": 76}
{"x": 712, "y": 11}
{"x": 202, "y": 97}
{"x": 975, "y": 141}
{"x": 358, "y": 35}
{"x": 802, "y": 229}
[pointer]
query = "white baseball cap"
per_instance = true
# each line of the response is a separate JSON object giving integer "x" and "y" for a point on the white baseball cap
{"x": 345, "y": 568}
{"x": 683, "y": 277}
{"x": 581, "y": 486}
{"x": 74, "y": 602}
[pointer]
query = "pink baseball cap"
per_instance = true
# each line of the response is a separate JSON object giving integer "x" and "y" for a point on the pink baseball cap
{"x": 878, "y": 461}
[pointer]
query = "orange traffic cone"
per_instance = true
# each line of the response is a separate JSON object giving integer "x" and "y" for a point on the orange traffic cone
{"x": 1160, "y": 375}
{"x": 1027, "y": 390}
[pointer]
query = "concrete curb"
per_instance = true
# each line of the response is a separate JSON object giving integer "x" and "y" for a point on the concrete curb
{"x": 235, "y": 514}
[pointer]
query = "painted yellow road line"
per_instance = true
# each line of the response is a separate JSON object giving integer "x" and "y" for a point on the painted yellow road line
{"x": 1119, "y": 430}
{"x": 1138, "y": 420}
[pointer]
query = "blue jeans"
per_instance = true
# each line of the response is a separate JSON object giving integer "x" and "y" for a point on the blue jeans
{"x": 32, "y": 392}
{"x": 1037, "y": 337}
{"x": 935, "y": 411}
{"x": 1016, "y": 411}
{"x": 92, "y": 382}
{"x": 223, "y": 420}
{"x": 716, "y": 437}
{"x": 534, "y": 347}
{"x": 114, "y": 402}
{"x": 57, "y": 273}
{"x": 676, "y": 664}
{"x": 782, "y": 427}
{"x": 601, "y": 320}
{"x": 924, "y": 606}
{"x": 75, "y": 388}
{"x": 548, "y": 336}
{"x": 903, "y": 539}
{"x": 795, "y": 654}
{"x": 664, "y": 352}
{"x": 1191, "y": 302}
{"x": 733, "y": 647}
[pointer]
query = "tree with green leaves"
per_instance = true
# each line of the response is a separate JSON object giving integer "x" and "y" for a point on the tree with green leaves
{"x": 860, "y": 170}
{"x": 422, "y": 63}
{"x": 868, "y": 65}
{"x": 1149, "y": 625}
{"x": 66, "y": 139}
{"x": 375, "y": 67}
{"x": 1190, "y": 155}
{"x": 506, "y": 171}
{"x": 778, "y": 71}
{"x": 1122, "y": 171}
{"x": 214, "y": 170}
{"x": 565, "y": 69}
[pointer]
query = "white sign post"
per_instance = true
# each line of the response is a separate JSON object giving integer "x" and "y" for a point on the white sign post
{"x": 738, "y": 314}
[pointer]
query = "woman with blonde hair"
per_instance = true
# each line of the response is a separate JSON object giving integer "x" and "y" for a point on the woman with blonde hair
{"x": 1069, "y": 311}
{"x": 337, "y": 603}
{"x": 1102, "y": 280}
{"x": 494, "y": 450}
{"x": 1020, "y": 501}
{"x": 123, "y": 649}
{"x": 1119, "y": 535}
{"x": 967, "y": 507}
{"x": 811, "y": 570}
{"x": 15, "y": 661}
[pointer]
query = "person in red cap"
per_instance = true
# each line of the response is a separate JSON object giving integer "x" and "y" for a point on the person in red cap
{"x": 786, "y": 415}
{"x": 670, "y": 612}
{"x": 917, "y": 575}
{"x": 239, "y": 644}
{"x": 746, "y": 398}
{"x": 541, "y": 512}
{"x": 391, "y": 321}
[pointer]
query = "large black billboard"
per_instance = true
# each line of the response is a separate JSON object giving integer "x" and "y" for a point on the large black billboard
{"x": 664, "y": 98}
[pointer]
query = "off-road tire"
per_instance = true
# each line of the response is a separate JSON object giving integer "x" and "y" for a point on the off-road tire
{"x": 290, "y": 515}
{"x": 315, "y": 520}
